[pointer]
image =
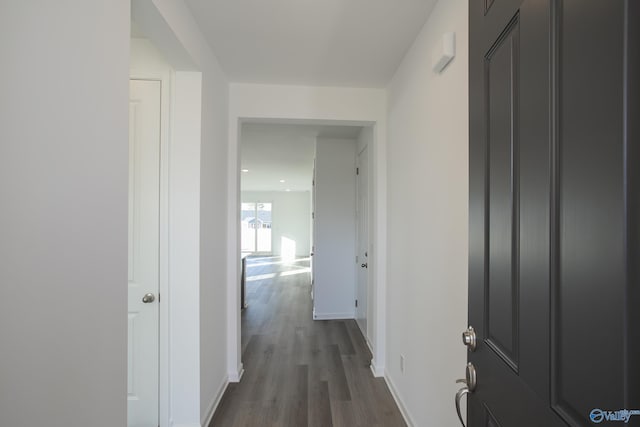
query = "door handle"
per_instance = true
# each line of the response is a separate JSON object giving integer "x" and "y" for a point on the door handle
{"x": 470, "y": 385}
{"x": 464, "y": 390}
{"x": 148, "y": 298}
{"x": 365, "y": 265}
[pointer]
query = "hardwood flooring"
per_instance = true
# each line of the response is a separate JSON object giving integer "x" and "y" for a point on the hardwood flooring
{"x": 300, "y": 372}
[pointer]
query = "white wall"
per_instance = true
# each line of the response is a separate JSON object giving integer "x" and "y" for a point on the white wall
{"x": 145, "y": 58}
{"x": 290, "y": 213}
{"x": 213, "y": 241}
{"x": 301, "y": 104}
{"x": 63, "y": 221}
{"x": 428, "y": 193}
{"x": 204, "y": 373}
{"x": 213, "y": 237}
{"x": 184, "y": 251}
{"x": 334, "y": 256}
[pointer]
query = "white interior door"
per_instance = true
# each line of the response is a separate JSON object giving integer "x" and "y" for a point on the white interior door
{"x": 363, "y": 239}
{"x": 313, "y": 228}
{"x": 144, "y": 199}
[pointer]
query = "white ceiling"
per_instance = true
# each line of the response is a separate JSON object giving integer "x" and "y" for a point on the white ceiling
{"x": 356, "y": 43}
{"x": 272, "y": 152}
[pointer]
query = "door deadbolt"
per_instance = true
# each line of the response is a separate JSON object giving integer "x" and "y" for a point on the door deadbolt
{"x": 469, "y": 338}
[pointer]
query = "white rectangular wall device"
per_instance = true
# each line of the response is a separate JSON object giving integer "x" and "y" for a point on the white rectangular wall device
{"x": 445, "y": 51}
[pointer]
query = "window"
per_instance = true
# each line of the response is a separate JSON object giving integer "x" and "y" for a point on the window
{"x": 255, "y": 220}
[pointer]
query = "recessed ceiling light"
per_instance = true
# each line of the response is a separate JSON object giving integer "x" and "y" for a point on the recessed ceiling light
{"x": 282, "y": 180}
{"x": 245, "y": 170}
{"x": 288, "y": 189}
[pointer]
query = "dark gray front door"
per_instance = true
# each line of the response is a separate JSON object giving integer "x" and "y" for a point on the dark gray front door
{"x": 554, "y": 288}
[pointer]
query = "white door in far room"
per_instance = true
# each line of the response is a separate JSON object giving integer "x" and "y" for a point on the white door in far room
{"x": 363, "y": 239}
{"x": 143, "y": 306}
{"x": 313, "y": 226}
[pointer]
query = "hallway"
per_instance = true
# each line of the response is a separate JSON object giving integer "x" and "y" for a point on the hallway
{"x": 300, "y": 372}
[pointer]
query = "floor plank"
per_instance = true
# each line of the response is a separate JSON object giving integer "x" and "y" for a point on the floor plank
{"x": 300, "y": 372}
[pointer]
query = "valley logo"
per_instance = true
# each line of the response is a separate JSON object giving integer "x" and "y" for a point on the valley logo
{"x": 598, "y": 415}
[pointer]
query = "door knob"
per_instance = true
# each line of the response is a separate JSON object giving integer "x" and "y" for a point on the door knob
{"x": 148, "y": 298}
{"x": 365, "y": 265}
{"x": 470, "y": 385}
{"x": 469, "y": 338}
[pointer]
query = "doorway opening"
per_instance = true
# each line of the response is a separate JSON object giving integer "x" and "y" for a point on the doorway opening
{"x": 291, "y": 343}
{"x": 304, "y": 203}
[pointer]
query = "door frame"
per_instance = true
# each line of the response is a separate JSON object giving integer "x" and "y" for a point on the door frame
{"x": 369, "y": 114}
{"x": 174, "y": 267}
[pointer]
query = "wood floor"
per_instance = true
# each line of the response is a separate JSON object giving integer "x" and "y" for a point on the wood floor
{"x": 300, "y": 372}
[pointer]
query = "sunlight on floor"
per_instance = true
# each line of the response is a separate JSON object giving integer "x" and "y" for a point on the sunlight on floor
{"x": 294, "y": 272}
{"x": 266, "y": 261}
{"x": 272, "y": 261}
{"x": 261, "y": 277}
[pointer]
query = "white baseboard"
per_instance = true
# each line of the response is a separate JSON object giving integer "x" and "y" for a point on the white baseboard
{"x": 333, "y": 316}
{"x": 214, "y": 403}
{"x": 399, "y": 402}
{"x": 366, "y": 340}
{"x": 378, "y": 371}
{"x": 235, "y": 377}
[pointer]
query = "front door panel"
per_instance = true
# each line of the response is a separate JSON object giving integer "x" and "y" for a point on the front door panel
{"x": 501, "y": 305}
{"x": 551, "y": 224}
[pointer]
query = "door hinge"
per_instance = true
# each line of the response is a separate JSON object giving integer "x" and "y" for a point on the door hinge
{"x": 357, "y": 171}
{"x": 356, "y": 259}
{"x": 356, "y": 303}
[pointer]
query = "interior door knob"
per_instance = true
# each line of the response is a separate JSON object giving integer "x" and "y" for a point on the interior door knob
{"x": 148, "y": 298}
{"x": 365, "y": 265}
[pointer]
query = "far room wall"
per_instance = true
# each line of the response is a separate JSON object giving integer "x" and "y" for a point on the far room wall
{"x": 291, "y": 218}
{"x": 334, "y": 243}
